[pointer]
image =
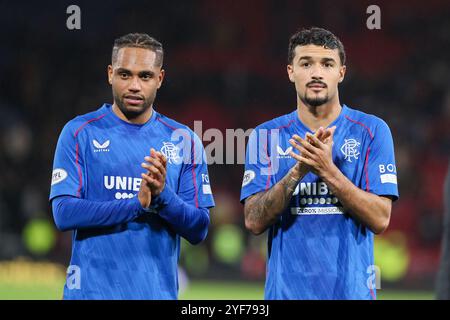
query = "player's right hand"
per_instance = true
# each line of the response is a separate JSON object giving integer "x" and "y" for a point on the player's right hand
{"x": 145, "y": 193}
{"x": 300, "y": 169}
{"x": 156, "y": 166}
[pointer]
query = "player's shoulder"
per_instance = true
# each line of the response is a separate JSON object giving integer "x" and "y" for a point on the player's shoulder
{"x": 370, "y": 122}
{"x": 170, "y": 125}
{"x": 282, "y": 121}
{"x": 78, "y": 123}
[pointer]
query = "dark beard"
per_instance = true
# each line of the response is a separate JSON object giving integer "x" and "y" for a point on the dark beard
{"x": 314, "y": 102}
{"x": 132, "y": 114}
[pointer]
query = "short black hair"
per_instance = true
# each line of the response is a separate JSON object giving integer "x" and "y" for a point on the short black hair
{"x": 138, "y": 40}
{"x": 318, "y": 37}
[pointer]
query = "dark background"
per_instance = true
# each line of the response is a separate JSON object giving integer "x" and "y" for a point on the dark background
{"x": 225, "y": 64}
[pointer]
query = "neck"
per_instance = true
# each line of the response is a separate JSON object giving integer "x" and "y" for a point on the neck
{"x": 321, "y": 116}
{"x": 139, "y": 119}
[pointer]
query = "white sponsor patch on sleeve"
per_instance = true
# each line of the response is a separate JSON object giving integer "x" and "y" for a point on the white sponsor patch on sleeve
{"x": 249, "y": 175}
{"x": 388, "y": 178}
{"x": 58, "y": 175}
{"x": 207, "y": 189}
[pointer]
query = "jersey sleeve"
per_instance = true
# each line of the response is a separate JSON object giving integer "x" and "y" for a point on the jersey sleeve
{"x": 68, "y": 166}
{"x": 258, "y": 174}
{"x": 195, "y": 186}
{"x": 380, "y": 173}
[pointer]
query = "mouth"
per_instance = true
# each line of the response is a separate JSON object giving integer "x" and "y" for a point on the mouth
{"x": 132, "y": 99}
{"x": 317, "y": 86}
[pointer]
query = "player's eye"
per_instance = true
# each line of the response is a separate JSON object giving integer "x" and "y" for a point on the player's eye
{"x": 305, "y": 64}
{"x": 146, "y": 77}
{"x": 123, "y": 75}
{"x": 328, "y": 65}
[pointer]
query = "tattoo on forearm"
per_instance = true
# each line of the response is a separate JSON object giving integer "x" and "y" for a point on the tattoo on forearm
{"x": 265, "y": 207}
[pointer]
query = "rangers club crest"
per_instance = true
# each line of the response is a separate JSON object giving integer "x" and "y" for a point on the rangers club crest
{"x": 350, "y": 149}
{"x": 170, "y": 151}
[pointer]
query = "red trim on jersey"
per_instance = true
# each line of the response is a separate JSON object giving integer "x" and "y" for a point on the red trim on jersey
{"x": 80, "y": 178}
{"x": 166, "y": 124}
{"x": 86, "y": 123}
{"x": 372, "y": 293}
{"x": 288, "y": 125}
{"x": 194, "y": 178}
{"x": 361, "y": 124}
{"x": 77, "y": 153}
{"x": 270, "y": 165}
{"x": 366, "y": 165}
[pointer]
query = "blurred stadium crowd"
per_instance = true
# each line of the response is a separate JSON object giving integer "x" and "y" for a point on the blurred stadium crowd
{"x": 225, "y": 65}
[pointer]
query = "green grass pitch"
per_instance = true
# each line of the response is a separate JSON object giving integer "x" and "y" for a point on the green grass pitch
{"x": 196, "y": 290}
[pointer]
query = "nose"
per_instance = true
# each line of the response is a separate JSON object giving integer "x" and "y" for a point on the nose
{"x": 135, "y": 85}
{"x": 316, "y": 73}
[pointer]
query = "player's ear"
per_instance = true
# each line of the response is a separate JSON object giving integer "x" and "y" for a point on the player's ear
{"x": 161, "y": 78}
{"x": 290, "y": 71}
{"x": 110, "y": 74}
{"x": 342, "y": 73}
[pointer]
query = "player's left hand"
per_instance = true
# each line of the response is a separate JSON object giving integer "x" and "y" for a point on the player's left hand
{"x": 156, "y": 165}
{"x": 315, "y": 153}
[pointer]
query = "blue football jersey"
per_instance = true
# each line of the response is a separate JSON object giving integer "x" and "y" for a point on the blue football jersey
{"x": 98, "y": 157}
{"x": 316, "y": 250}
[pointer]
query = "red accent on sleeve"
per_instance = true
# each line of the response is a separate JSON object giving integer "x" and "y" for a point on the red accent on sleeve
{"x": 77, "y": 152}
